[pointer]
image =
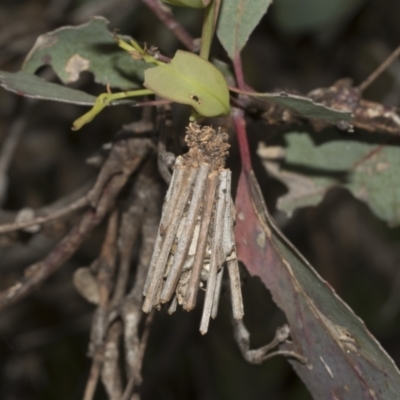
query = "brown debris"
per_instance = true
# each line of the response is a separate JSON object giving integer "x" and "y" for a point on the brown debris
{"x": 206, "y": 146}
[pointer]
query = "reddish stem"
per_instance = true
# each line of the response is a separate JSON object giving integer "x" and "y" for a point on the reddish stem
{"x": 238, "y": 118}
{"x": 237, "y": 65}
{"x": 240, "y": 127}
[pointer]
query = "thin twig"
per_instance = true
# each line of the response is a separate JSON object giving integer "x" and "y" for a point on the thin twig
{"x": 193, "y": 285}
{"x": 165, "y": 159}
{"x": 170, "y": 200}
{"x": 217, "y": 293}
{"x": 106, "y": 195}
{"x": 173, "y": 306}
{"x": 188, "y": 229}
{"x": 170, "y": 233}
{"x": 137, "y": 380}
{"x": 110, "y": 373}
{"x": 7, "y": 153}
{"x": 382, "y": 67}
{"x": 106, "y": 265}
{"x": 216, "y": 249}
{"x": 242, "y": 338}
{"x": 232, "y": 262}
{"x": 164, "y": 15}
{"x": 107, "y": 260}
{"x": 92, "y": 380}
{"x": 131, "y": 223}
{"x": 131, "y": 309}
{"x": 74, "y": 206}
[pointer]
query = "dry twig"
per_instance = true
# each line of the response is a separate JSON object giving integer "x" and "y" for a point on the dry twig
{"x": 110, "y": 373}
{"x": 6, "y": 154}
{"x": 106, "y": 264}
{"x": 242, "y": 338}
{"x": 164, "y": 15}
{"x": 127, "y": 154}
{"x": 381, "y": 68}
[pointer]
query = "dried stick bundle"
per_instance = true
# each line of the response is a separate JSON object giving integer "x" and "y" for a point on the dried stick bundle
{"x": 195, "y": 239}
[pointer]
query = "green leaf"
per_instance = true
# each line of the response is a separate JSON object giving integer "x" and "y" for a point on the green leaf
{"x": 344, "y": 361}
{"x": 89, "y": 47}
{"x": 188, "y": 3}
{"x": 369, "y": 171}
{"x": 189, "y": 79}
{"x": 296, "y": 16}
{"x": 306, "y": 107}
{"x": 29, "y": 85}
{"x": 237, "y": 19}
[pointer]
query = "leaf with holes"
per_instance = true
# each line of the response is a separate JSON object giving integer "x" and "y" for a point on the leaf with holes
{"x": 237, "y": 20}
{"x": 91, "y": 47}
{"x": 344, "y": 361}
{"x": 190, "y": 79}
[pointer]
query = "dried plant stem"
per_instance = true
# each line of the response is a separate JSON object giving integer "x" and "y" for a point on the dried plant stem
{"x": 107, "y": 259}
{"x": 41, "y": 219}
{"x": 136, "y": 379}
{"x": 110, "y": 373}
{"x": 106, "y": 263}
{"x": 193, "y": 285}
{"x": 173, "y": 306}
{"x": 235, "y": 288}
{"x": 170, "y": 233}
{"x": 166, "y": 18}
{"x": 232, "y": 262}
{"x": 188, "y": 229}
{"x": 216, "y": 248}
{"x": 197, "y": 238}
{"x": 217, "y": 293}
{"x": 93, "y": 379}
{"x": 131, "y": 306}
{"x": 381, "y": 68}
{"x": 257, "y": 356}
{"x": 170, "y": 200}
{"x": 6, "y": 154}
{"x": 144, "y": 195}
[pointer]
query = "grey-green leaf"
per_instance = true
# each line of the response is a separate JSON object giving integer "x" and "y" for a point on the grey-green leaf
{"x": 369, "y": 171}
{"x": 308, "y": 108}
{"x": 29, "y": 85}
{"x": 89, "y": 47}
{"x": 237, "y": 20}
{"x": 344, "y": 361}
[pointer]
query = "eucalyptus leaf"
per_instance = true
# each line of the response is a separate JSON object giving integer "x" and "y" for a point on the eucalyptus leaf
{"x": 29, "y": 85}
{"x": 308, "y": 108}
{"x": 344, "y": 361}
{"x": 89, "y": 47}
{"x": 190, "y": 79}
{"x": 369, "y": 171}
{"x": 237, "y": 20}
